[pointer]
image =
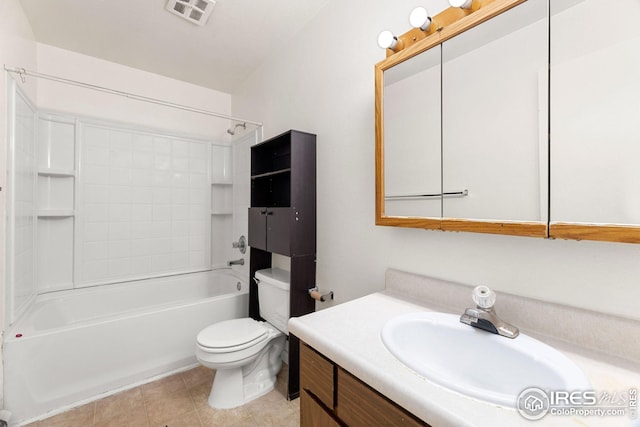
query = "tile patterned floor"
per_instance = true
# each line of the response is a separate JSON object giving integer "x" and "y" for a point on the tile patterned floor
{"x": 180, "y": 400}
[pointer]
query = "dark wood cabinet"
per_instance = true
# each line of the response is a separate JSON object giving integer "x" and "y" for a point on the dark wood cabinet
{"x": 282, "y": 216}
{"x": 282, "y": 220}
{"x": 331, "y": 396}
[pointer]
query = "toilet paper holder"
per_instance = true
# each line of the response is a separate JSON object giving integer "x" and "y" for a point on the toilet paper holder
{"x": 316, "y": 295}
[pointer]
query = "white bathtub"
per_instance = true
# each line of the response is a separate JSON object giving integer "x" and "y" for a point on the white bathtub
{"x": 72, "y": 346}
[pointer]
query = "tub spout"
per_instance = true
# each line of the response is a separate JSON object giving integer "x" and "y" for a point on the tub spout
{"x": 236, "y": 262}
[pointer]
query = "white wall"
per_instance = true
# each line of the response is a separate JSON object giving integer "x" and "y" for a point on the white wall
{"x": 87, "y": 69}
{"x": 322, "y": 81}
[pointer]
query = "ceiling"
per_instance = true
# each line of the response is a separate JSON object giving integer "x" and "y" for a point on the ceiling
{"x": 237, "y": 38}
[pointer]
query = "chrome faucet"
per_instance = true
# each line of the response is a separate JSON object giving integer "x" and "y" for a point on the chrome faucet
{"x": 484, "y": 315}
{"x": 236, "y": 262}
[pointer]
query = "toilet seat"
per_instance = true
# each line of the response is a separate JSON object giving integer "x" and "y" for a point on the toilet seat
{"x": 232, "y": 335}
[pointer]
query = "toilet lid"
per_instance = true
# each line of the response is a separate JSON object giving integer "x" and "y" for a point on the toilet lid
{"x": 231, "y": 333}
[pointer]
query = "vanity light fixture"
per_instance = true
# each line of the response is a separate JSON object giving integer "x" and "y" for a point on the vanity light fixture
{"x": 462, "y": 4}
{"x": 387, "y": 40}
{"x": 419, "y": 18}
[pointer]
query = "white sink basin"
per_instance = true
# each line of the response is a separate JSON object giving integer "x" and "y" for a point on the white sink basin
{"x": 477, "y": 363}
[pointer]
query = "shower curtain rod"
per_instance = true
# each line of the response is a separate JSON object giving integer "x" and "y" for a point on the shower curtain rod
{"x": 23, "y": 72}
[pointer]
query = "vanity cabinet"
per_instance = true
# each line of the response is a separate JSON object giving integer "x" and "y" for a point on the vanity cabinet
{"x": 282, "y": 220}
{"x": 331, "y": 396}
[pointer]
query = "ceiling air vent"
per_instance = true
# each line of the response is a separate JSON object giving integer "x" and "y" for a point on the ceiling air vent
{"x": 195, "y": 11}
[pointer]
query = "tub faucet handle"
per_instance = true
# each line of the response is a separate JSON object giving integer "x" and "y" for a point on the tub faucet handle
{"x": 241, "y": 244}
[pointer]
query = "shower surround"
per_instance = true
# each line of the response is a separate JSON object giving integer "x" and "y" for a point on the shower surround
{"x": 115, "y": 225}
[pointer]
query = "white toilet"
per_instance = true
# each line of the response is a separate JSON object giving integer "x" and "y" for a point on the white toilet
{"x": 246, "y": 353}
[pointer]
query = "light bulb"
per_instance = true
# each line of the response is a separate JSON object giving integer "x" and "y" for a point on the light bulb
{"x": 387, "y": 40}
{"x": 420, "y": 18}
{"x": 462, "y": 4}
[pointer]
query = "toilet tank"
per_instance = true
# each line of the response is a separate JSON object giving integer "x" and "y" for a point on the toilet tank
{"x": 273, "y": 297}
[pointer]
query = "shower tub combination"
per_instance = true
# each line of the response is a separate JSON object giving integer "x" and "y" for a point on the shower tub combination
{"x": 74, "y": 346}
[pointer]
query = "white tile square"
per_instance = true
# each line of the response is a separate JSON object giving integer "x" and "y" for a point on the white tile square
{"x": 198, "y": 164}
{"x": 142, "y": 160}
{"x": 120, "y": 159}
{"x": 179, "y": 244}
{"x": 161, "y": 196}
{"x": 180, "y": 179}
{"x": 95, "y": 194}
{"x": 96, "y": 212}
{"x": 198, "y": 227}
{"x": 199, "y": 197}
{"x": 162, "y": 179}
{"x": 179, "y": 228}
{"x": 142, "y": 143}
{"x": 161, "y": 145}
{"x": 199, "y": 243}
{"x": 162, "y": 162}
{"x": 180, "y": 213}
{"x": 95, "y": 231}
{"x": 95, "y": 270}
{"x": 180, "y": 164}
{"x": 141, "y": 212}
{"x": 197, "y": 150}
{"x": 180, "y": 148}
{"x": 119, "y": 194}
{"x": 179, "y": 196}
{"x": 142, "y": 230}
{"x": 161, "y": 263}
{"x": 198, "y": 259}
{"x": 161, "y": 229}
{"x": 141, "y": 265}
{"x": 120, "y": 267}
{"x": 142, "y": 247}
{"x": 162, "y": 213}
{"x": 120, "y": 249}
{"x": 93, "y": 174}
{"x": 120, "y": 230}
{"x": 142, "y": 195}
{"x": 92, "y": 251}
{"x": 98, "y": 156}
{"x": 95, "y": 137}
{"x": 180, "y": 261}
{"x": 119, "y": 176}
{"x": 120, "y": 213}
{"x": 120, "y": 140}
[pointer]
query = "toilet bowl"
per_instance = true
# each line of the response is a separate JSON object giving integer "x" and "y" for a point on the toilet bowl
{"x": 246, "y": 353}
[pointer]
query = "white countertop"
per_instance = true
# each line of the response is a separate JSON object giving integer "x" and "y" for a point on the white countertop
{"x": 349, "y": 335}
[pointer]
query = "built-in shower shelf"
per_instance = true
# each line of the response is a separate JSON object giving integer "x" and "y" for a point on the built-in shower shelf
{"x": 222, "y": 183}
{"x": 55, "y": 213}
{"x": 56, "y": 172}
{"x": 221, "y": 213}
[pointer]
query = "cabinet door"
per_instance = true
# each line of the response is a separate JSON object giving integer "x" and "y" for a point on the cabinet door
{"x": 494, "y": 118}
{"x": 412, "y": 144}
{"x": 258, "y": 228}
{"x": 361, "y": 406}
{"x": 595, "y": 121}
{"x": 314, "y": 415}
{"x": 279, "y": 230}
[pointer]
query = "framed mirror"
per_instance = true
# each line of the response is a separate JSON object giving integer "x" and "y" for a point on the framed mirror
{"x": 478, "y": 160}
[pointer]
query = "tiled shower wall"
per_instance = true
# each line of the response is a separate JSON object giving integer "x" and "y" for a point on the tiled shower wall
{"x": 22, "y": 201}
{"x": 96, "y": 202}
{"x": 143, "y": 205}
